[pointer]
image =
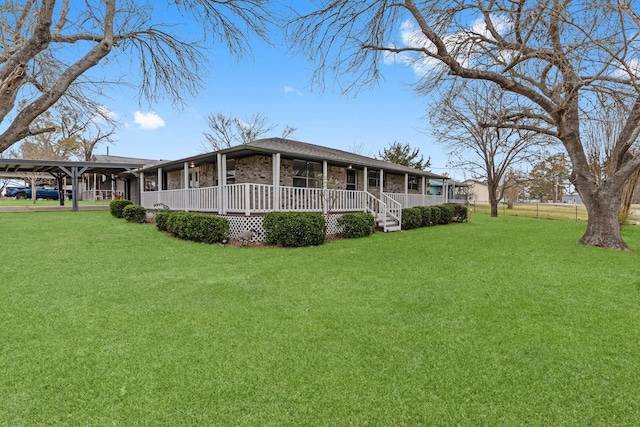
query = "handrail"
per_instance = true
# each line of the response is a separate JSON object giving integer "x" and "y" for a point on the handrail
{"x": 394, "y": 208}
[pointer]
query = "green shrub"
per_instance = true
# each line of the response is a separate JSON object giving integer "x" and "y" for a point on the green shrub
{"x": 411, "y": 218}
{"x": 435, "y": 214}
{"x": 427, "y": 217}
{"x": 197, "y": 227}
{"x": 161, "y": 220}
{"x": 134, "y": 213}
{"x": 294, "y": 229}
{"x": 460, "y": 213}
{"x": 117, "y": 206}
{"x": 446, "y": 214}
{"x": 356, "y": 225}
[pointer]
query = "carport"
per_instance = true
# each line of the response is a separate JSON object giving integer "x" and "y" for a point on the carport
{"x": 12, "y": 168}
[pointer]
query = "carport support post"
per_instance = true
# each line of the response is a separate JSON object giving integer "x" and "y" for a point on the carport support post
{"x": 74, "y": 174}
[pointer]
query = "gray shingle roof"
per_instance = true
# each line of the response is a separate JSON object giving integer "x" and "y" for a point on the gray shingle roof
{"x": 304, "y": 150}
{"x": 104, "y": 158}
{"x": 298, "y": 150}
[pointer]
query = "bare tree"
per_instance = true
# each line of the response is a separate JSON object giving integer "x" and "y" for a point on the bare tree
{"x": 227, "y": 130}
{"x": 87, "y": 129}
{"x": 357, "y": 148}
{"x": 466, "y": 122}
{"x": 41, "y": 147}
{"x": 513, "y": 187}
{"x": 553, "y": 55}
{"x": 47, "y": 47}
{"x": 601, "y": 129}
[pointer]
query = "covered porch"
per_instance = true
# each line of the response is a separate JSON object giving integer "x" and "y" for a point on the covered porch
{"x": 283, "y": 175}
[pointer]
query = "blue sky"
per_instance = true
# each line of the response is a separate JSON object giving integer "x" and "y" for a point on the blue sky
{"x": 276, "y": 84}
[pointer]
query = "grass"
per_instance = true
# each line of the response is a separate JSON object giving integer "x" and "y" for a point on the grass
{"x": 562, "y": 212}
{"x": 10, "y": 201}
{"x": 498, "y": 322}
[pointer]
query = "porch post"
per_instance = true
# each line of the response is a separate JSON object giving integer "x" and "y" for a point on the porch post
{"x": 141, "y": 187}
{"x": 159, "y": 183}
{"x": 381, "y": 183}
{"x": 445, "y": 189}
{"x": 275, "y": 167}
{"x": 185, "y": 170}
{"x": 325, "y": 195}
{"x": 222, "y": 180}
{"x": 365, "y": 184}
{"x": 185, "y": 186}
{"x": 219, "y": 172}
{"x": 424, "y": 182}
{"x": 406, "y": 183}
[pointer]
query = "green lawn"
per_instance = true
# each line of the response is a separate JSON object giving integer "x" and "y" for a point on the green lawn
{"x": 497, "y": 322}
{"x": 10, "y": 201}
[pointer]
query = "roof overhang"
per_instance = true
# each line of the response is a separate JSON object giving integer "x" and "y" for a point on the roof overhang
{"x": 13, "y": 168}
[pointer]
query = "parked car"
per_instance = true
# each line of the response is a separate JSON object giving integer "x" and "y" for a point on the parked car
{"x": 43, "y": 192}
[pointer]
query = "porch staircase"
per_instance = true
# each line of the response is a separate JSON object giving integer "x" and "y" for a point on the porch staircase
{"x": 387, "y": 212}
{"x": 387, "y": 223}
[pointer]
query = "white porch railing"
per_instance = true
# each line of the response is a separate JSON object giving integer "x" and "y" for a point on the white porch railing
{"x": 190, "y": 199}
{"x": 259, "y": 198}
{"x": 413, "y": 200}
{"x": 95, "y": 195}
{"x": 248, "y": 198}
{"x": 301, "y": 199}
{"x": 394, "y": 209}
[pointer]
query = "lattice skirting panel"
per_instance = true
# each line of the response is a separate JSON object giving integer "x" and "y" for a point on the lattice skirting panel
{"x": 241, "y": 223}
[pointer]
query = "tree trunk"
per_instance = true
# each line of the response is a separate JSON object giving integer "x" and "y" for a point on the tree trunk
{"x": 603, "y": 226}
{"x": 494, "y": 206}
{"x": 493, "y": 199}
{"x": 627, "y": 196}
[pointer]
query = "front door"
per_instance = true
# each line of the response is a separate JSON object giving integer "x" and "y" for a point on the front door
{"x": 351, "y": 179}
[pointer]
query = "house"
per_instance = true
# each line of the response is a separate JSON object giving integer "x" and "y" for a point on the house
{"x": 244, "y": 182}
{"x": 109, "y": 186}
{"x": 478, "y": 191}
{"x": 572, "y": 199}
{"x": 455, "y": 191}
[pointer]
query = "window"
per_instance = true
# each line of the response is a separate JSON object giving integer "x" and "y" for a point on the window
{"x": 231, "y": 171}
{"x": 374, "y": 178}
{"x": 413, "y": 183}
{"x": 150, "y": 182}
{"x": 305, "y": 174}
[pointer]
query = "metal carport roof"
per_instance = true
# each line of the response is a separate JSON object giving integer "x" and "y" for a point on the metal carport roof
{"x": 11, "y": 168}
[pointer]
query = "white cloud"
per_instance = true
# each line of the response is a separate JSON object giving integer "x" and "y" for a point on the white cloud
{"x": 148, "y": 121}
{"x": 289, "y": 89}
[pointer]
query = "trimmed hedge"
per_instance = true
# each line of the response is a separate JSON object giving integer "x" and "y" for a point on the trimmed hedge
{"x": 426, "y": 216}
{"x": 197, "y": 227}
{"x": 294, "y": 229}
{"x": 117, "y": 207}
{"x": 134, "y": 213}
{"x": 460, "y": 213}
{"x": 446, "y": 214}
{"x": 161, "y": 220}
{"x": 411, "y": 218}
{"x": 435, "y": 215}
{"x": 356, "y": 225}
